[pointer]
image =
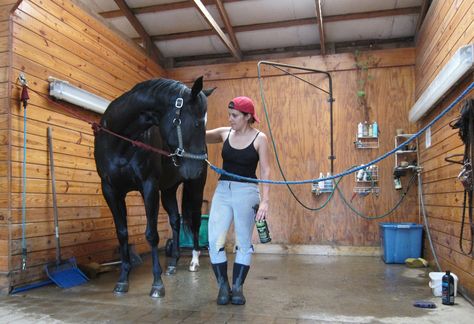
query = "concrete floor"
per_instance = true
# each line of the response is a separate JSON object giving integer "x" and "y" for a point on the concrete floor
{"x": 279, "y": 289}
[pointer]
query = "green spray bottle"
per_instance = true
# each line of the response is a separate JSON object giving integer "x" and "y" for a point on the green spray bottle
{"x": 262, "y": 228}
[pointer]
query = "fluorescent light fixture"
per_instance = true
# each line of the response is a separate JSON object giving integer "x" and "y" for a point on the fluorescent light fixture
{"x": 64, "y": 91}
{"x": 452, "y": 72}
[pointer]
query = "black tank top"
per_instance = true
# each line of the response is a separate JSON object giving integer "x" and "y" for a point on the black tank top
{"x": 242, "y": 162}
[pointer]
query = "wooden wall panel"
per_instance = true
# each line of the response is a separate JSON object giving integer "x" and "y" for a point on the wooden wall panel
{"x": 441, "y": 37}
{"x": 5, "y": 59}
{"x": 448, "y": 26}
{"x": 335, "y": 62}
{"x": 299, "y": 117}
{"x": 60, "y": 39}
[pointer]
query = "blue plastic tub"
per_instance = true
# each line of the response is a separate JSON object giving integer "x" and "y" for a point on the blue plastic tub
{"x": 400, "y": 241}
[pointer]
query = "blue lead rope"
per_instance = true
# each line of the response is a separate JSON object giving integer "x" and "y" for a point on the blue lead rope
{"x": 355, "y": 169}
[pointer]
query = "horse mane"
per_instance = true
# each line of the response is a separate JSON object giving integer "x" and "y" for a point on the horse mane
{"x": 150, "y": 95}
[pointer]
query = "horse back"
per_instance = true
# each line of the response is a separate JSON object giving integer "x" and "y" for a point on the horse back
{"x": 126, "y": 166}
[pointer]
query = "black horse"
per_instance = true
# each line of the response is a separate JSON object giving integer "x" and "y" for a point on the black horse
{"x": 164, "y": 114}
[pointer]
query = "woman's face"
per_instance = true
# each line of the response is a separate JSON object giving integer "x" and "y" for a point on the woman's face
{"x": 237, "y": 119}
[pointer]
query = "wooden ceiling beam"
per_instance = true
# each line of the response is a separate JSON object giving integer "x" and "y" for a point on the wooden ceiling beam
{"x": 211, "y": 21}
{"x": 374, "y": 14}
{"x": 188, "y": 4}
{"x": 319, "y": 18}
{"x": 292, "y": 51}
{"x": 424, "y": 9}
{"x": 228, "y": 26}
{"x": 150, "y": 47}
{"x": 291, "y": 23}
{"x": 159, "y": 8}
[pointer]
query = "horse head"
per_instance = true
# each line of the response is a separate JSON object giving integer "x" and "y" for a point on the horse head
{"x": 183, "y": 129}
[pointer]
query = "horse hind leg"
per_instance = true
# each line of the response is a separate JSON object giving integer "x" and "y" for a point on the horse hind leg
{"x": 116, "y": 203}
{"x": 151, "y": 198}
{"x": 170, "y": 204}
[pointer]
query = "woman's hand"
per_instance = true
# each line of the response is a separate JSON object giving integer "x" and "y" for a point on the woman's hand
{"x": 262, "y": 211}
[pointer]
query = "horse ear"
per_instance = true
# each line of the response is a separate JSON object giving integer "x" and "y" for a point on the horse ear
{"x": 197, "y": 87}
{"x": 208, "y": 92}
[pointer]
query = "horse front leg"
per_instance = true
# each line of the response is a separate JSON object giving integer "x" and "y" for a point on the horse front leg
{"x": 151, "y": 196}
{"x": 170, "y": 204}
{"x": 116, "y": 202}
{"x": 195, "y": 226}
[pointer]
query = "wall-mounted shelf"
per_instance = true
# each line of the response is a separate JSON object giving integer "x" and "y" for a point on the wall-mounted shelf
{"x": 366, "y": 142}
{"x": 367, "y": 136}
{"x": 406, "y": 158}
{"x": 367, "y": 180}
{"x": 367, "y": 190}
{"x": 327, "y": 187}
{"x": 369, "y": 174}
{"x": 410, "y": 167}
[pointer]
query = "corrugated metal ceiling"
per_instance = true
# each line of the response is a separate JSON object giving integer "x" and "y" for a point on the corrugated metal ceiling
{"x": 263, "y": 29}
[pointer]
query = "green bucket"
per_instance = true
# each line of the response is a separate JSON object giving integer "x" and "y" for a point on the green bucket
{"x": 186, "y": 236}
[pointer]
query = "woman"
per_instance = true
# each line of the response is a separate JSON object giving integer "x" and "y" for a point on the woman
{"x": 234, "y": 200}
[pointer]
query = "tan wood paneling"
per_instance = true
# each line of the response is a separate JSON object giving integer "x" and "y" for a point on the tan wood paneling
{"x": 86, "y": 49}
{"x": 452, "y": 28}
{"x": 5, "y": 7}
{"x": 71, "y": 15}
{"x": 3, "y": 44}
{"x": 3, "y": 90}
{"x": 41, "y": 172}
{"x": 336, "y": 62}
{"x": 3, "y": 74}
{"x": 56, "y": 64}
{"x": 8, "y": 2}
{"x": 3, "y": 57}
{"x": 4, "y": 28}
{"x": 440, "y": 13}
{"x": 449, "y": 25}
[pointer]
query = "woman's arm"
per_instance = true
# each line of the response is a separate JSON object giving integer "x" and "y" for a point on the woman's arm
{"x": 264, "y": 161}
{"x": 216, "y": 135}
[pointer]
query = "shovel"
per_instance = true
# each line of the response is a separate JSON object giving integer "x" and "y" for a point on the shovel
{"x": 65, "y": 274}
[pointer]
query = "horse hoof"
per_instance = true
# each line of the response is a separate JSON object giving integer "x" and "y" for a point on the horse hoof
{"x": 121, "y": 288}
{"x": 194, "y": 267}
{"x": 170, "y": 270}
{"x": 157, "y": 291}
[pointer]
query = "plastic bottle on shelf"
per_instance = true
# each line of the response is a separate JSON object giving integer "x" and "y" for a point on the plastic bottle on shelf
{"x": 370, "y": 133}
{"x": 360, "y": 130}
{"x": 375, "y": 129}
{"x": 365, "y": 177}
{"x": 365, "y": 129}
{"x": 321, "y": 183}
{"x": 397, "y": 182}
{"x": 360, "y": 174}
{"x": 328, "y": 183}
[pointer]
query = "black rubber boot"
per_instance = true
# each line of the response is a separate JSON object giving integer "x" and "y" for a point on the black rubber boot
{"x": 220, "y": 270}
{"x": 239, "y": 275}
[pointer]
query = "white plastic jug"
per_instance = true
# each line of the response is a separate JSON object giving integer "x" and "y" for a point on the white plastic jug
{"x": 435, "y": 283}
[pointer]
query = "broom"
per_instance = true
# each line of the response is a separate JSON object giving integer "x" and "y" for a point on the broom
{"x": 65, "y": 274}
